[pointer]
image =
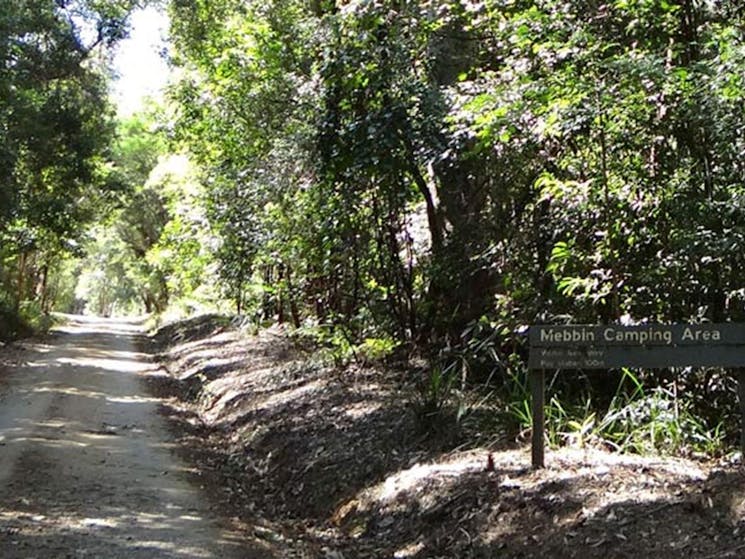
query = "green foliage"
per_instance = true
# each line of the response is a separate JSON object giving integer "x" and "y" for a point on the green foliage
{"x": 440, "y": 174}
{"x": 335, "y": 345}
{"x": 438, "y": 393}
{"x": 105, "y": 282}
{"x": 249, "y": 133}
{"x": 376, "y": 349}
{"x": 656, "y": 421}
{"x": 35, "y": 317}
{"x": 54, "y": 140}
{"x": 53, "y": 102}
{"x": 155, "y": 252}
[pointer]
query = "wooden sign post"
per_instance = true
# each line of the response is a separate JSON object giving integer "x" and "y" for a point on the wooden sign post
{"x": 648, "y": 346}
{"x": 538, "y": 396}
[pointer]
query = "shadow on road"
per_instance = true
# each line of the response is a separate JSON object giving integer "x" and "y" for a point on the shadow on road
{"x": 85, "y": 463}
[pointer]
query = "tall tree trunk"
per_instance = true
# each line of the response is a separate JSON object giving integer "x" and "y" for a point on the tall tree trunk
{"x": 21, "y": 280}
{"x": 280, "y": 293}
{"x": 294, "y": 312}
{"x": 43, "y": 288}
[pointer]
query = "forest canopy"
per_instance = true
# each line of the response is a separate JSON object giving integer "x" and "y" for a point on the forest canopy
{"x": 409, "y": 168}
{"x": 55, "y": 132}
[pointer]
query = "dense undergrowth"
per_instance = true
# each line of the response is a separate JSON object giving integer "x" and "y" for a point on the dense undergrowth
{"x": 472, "y": 399}
{"x": 686, "y": 411}
{"x": 26, "y": 321}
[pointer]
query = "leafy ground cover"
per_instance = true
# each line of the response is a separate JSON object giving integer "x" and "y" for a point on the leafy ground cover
{"x": 318, "y": 461}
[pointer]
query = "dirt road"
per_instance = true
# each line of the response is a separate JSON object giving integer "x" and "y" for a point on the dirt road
{"x": 86, "y": 468}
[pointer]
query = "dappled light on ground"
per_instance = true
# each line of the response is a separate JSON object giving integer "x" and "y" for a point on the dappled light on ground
{"x": 340, "y": 453}
{"x": 85, "y": 463}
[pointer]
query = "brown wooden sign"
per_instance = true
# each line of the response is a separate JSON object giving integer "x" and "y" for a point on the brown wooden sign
{"x": 648, "y": 346}
{"x": 652, "y": 346}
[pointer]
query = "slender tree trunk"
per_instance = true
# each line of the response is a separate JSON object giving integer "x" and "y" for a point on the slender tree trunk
{"x": 434, "y": 221}
{"x": 44, "y": 288}
{"x": 294, "y": 312}
{"x": 21, "y": 280}
{"x": 615, "y": 303}
{"x": 266, "y": 299}
{"x": 280, "y": 294}
{"x": 238, "y": 302}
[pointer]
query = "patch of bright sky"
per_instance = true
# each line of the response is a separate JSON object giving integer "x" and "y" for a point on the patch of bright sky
{"x": 139, "y": 64}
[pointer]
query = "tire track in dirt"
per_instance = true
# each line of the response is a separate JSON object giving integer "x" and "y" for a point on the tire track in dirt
{"x": 86, "y": 468}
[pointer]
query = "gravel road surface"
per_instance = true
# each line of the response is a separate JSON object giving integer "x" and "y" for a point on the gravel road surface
{"x": 86, "y": 466}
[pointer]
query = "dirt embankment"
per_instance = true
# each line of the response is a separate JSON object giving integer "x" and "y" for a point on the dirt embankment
{"x": 323, "y": 463}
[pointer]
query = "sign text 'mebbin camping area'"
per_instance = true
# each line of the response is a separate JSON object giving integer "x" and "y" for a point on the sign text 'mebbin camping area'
{"x": 650, "y": 346}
